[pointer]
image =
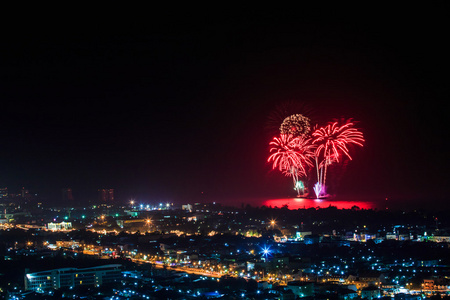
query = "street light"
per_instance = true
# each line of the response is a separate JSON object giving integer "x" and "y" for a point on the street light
{"x": 148, "y": 222}
{"x": 272, "y": 223}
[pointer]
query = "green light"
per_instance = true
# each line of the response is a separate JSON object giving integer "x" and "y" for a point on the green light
{"x": 65, "y": 218}
{"x": 83, "y": 216}
{"x": 299, "y": 185}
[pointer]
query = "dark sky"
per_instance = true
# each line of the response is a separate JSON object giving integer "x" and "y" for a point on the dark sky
{"x": 172, "y": 105}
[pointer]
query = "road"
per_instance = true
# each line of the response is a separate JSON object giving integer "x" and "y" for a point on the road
{"x": 181, "y": 269}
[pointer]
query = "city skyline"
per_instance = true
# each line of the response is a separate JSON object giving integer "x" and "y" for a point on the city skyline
{"x": 178, "y": 111}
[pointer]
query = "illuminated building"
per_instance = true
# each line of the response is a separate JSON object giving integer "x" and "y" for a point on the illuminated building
{"x": 72, "y": 277}
{"x": 129, "y": 223}
{"x": 106, "y": 195}
{"x": 187, "y": 207}
{"x": 59, "y": 226}
{"x": 67, "y": 244}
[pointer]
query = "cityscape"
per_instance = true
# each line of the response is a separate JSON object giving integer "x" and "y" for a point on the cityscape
{"x": 225, "y": 152}
{"x": 134, "y": 250}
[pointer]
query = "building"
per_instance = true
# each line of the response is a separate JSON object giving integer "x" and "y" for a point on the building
{"x": 68, "y": 244}
{"x": 67, "y": 196}
{"x": 132, "y": 222}
{"x": 301, "y": 289}
{"x": 368, "y": 279}
{"x": 73, "y": 277}
{"x": 3, "y": 192}
{"x": 25, "y": 194}
{"x": 370, "y": 292}
{"x": 106, "y": 195}
{"x": 440, "y": 238}
{"x": 59, "y": 226}
{"x": 187, "y": 207}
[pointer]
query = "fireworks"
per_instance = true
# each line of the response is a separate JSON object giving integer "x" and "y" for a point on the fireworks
{"x": 292, "y": 156}
{"x": 318, "y": 189}
{"x": 284, "y": 110}
{"x": 332, "y": 140}
{"x": 285, "y": 155}
{"x": 294, "y": 150}
{"x": 297, "y": 125}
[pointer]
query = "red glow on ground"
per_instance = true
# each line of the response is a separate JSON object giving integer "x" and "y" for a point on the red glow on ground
{"x": 296, "y": 203}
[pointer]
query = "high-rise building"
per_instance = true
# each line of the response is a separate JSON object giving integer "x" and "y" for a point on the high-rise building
{"x": 72, "y": 277}
{"x": 67, "y": 195}
{"x": 3, "y": 192}
{"x": 24, "y": 193}
{"x": 106, "y": 195}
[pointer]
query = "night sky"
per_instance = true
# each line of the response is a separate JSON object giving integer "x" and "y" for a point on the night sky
{"x": 175, "y": 107}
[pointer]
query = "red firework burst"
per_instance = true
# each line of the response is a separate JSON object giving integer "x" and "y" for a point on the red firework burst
{"x": 332, "y": 140}
{"x": 291, "y": 155}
